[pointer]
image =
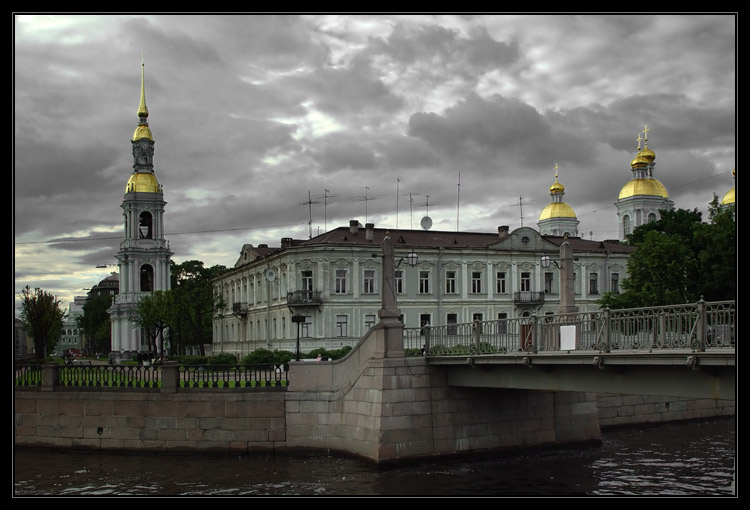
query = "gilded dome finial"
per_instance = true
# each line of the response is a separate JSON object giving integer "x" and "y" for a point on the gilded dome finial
{"x": 557, "y": 187}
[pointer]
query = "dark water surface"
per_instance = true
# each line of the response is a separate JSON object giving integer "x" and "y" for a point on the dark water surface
{"x": 677, "y": 459}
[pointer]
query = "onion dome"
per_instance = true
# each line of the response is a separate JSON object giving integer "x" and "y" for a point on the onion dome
{"x": 557, "y": 208}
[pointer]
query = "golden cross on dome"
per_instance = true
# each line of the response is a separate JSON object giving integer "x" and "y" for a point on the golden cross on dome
{"x": 639, "y": 141}
{"x": 645, "y": 134}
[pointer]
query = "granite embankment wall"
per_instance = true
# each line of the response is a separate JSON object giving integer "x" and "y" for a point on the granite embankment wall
{"x": 374, "y": 403}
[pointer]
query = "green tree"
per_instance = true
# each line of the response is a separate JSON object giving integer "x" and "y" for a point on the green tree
{"x": 154, "y": 313}
{"x": 679, "y": 259}
{"x": 194, "y": 303}
{"x": 43, "y": 318}
{"x": 95, "y": 322}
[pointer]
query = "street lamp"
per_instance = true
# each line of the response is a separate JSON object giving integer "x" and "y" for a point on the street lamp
{"x": 546, "y": 260}
{"x": 298, "y": 319}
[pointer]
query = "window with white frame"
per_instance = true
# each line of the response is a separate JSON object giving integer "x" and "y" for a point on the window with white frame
{"x": 398, "y": 276}
{"x": 424, "y": 282}
{"x": 369, "y": 321}
{"x": 368, "y": 286}
{"x": 593, "y": 283}
{"x": 341, "y": 326}
{"x": 525, "y": 282}
{"x": 307, "y": 281}
{"x": 476, "y": 282}
{"x": 450, "y": 282}
{"x": 304, "y": 327}
{"x": 500, "y": 282}
{"x": 614, "y": 284}
{"x": 341, "y": 278}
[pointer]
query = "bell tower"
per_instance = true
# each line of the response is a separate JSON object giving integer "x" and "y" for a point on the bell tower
{"x": 144, "y": 256}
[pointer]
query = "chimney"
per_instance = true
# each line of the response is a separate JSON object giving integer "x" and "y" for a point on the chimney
{"x": 353, "y": 226}
{"x": 502, "y": 231}
{"x": 286, "y": 242}
{"x": 368, "y": 232}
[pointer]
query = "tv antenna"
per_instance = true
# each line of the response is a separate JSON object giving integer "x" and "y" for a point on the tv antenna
{"x": 458, "y": 200}
{"x": 309, "y": 204}
{"x": 366, "y": 199}
{"x": 325, "y": 196}
{"x": 520, "y": 205}
{"x": 411, "y": 208}
{"x": 426, "y": 222}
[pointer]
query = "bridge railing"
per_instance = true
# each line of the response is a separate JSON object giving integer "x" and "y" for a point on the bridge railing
{"x": 697, "y": 326}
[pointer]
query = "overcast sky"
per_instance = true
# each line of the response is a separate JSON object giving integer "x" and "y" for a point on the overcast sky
{"x": 363, "y": 115}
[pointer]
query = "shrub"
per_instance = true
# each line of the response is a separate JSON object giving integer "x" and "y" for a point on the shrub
{"x": 223, "y": 358}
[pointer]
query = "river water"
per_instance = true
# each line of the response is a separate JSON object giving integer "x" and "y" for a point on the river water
{"x": 682, "y": 459}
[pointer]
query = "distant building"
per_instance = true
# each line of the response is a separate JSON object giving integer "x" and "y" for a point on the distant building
{"x": 333, "y": 281}
{"x": 144, "y": 255}
{"x": 22, "y": 344}
{"x": 71, "y": 336}
{"x": 642, "y": 197}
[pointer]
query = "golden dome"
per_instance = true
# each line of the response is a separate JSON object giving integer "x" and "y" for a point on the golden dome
{"x": 557, "y": 187}
{"x": 647, "y": 187}
{"x": 728, "y": 197}
{"x": 142, "y": 182}
{"x": 557, "y": 210}
{"x": 639, "y": 161}
{"x": 647, "y": 154}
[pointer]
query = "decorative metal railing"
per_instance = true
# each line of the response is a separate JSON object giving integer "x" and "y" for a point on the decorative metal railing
{"x": 232, "y": 376}
{"x": 155, "y": 377}
{"x": 697, "y": 326}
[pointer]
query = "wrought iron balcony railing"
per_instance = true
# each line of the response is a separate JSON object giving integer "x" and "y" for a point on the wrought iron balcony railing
{"x": 528, "y": 298}
{"x": 304, "y": 297}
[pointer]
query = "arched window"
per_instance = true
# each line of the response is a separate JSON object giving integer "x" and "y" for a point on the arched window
{"x": 651, "y": 217}
{"x": 147, "y": 278}
{"x": 145, "y": 225}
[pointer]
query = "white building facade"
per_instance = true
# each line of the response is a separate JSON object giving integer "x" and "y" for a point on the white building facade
{"x": 332, "y": 283}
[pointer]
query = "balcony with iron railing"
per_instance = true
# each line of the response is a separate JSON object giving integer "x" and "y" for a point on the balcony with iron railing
{"x": 527, "y": 297}
{"x": 303, "y": 298}
{"x": 239, "y": 308}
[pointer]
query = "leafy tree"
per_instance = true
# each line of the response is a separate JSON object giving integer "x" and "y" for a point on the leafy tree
{"x": 154, "y": 313}
{"x": 43, "y": 318}
{"x": 194, "y": 303}
{"x": 95, "y": 322}
{"x": 679, "y": 259}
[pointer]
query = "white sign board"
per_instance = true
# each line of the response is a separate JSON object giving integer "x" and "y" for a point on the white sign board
{"x": 567, "y": 338}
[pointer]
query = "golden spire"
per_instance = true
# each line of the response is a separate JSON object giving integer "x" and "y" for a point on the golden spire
{"x": 142, "y": 109}
{"x": 142, "y": 130}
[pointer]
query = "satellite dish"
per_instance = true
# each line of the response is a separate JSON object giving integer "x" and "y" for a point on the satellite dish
{"x": 270, "y": 275}
{"x": 426, "y": 223}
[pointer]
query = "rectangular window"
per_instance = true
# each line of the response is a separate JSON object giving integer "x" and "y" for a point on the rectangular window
{"x": 369, "y": 321}
{"x": 500, "y": 288}
{"x": 476, "y": 282}
{"x": 368, "y": 286}
{"x": 525, "y": 282}
{"x": 307, "y": 281}
{"x": 341, "y": 326}
{"x": 593, "y": 283}
{"x": 304, "y": 327}
{"x": 502, "y": 323}
{"x": 340, "y": 281}
{"x": 424, "y": 282}
{"x": 450, "y": 282}
{"x": 548, "y": 283}
{"x": 451, "y": 319}
{"x": 614, "y": 285}
{"x": 399, "y": 280}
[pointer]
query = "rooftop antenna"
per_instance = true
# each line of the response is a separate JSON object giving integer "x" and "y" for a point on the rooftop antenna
{"x": 366, "y": 199}
{"x": 458, "y": 201}
{"x": 411, "y": 208}
{"x": 520, "y": 205}
{"x": 325, "y": 196}
{"x": 309, "y": 204}
{"x": 398, "y": 181}
{"x": 426, "y": 222}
